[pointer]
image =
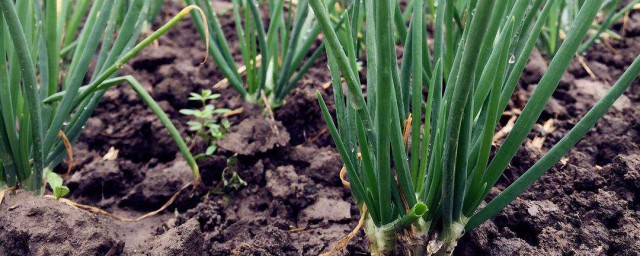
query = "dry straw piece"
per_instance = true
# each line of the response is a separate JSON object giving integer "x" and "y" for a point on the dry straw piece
{"x": 99, "y": 211}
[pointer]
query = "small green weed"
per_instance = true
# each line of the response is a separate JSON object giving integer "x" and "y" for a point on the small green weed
{"x": 206, "y": 124}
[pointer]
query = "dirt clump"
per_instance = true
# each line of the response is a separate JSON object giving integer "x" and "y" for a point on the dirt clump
{"x": 40, "y": 226}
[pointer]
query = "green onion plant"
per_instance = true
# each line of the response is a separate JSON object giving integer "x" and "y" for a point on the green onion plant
{"x": 46, "y": 83}
{"x": 563, "y": 13}
{"x": 421, "y": 195}
{"x": 155, "y": 9}
{"x": 275, "y": 58}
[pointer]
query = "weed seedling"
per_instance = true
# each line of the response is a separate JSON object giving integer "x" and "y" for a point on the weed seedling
{"x": 208, "y": 124}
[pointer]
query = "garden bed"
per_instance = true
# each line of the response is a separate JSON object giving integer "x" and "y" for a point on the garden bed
{"x": 294, "y": 203}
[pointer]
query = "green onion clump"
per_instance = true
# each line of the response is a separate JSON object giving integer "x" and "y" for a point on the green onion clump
{"x": 155, "y": 8}
{"x": 274, "y": 59}
{"x": 422, "y": 194}
{"x": 564, "y": 13}
{"x": 45, "y": 55}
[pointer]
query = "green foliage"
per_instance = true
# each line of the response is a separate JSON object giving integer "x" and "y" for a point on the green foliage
{"x": 155, "y": 9}
{"x": 274, "y": 59}
{"x": 45, "y": 58}
{"x": 437, "y": 180}
{"x": 231, "y": 181}
{"x": 207, "y": 124}
{"x": 56, "y": 184}
{"x": 564, "y": 13}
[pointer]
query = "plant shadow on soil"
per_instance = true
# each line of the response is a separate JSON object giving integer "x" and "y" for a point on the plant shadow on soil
{"x": 294, "y": 203}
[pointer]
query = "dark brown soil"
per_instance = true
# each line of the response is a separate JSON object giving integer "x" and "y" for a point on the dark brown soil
{"x": 294, "y": 203}
{"x": 33, "y": 225}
